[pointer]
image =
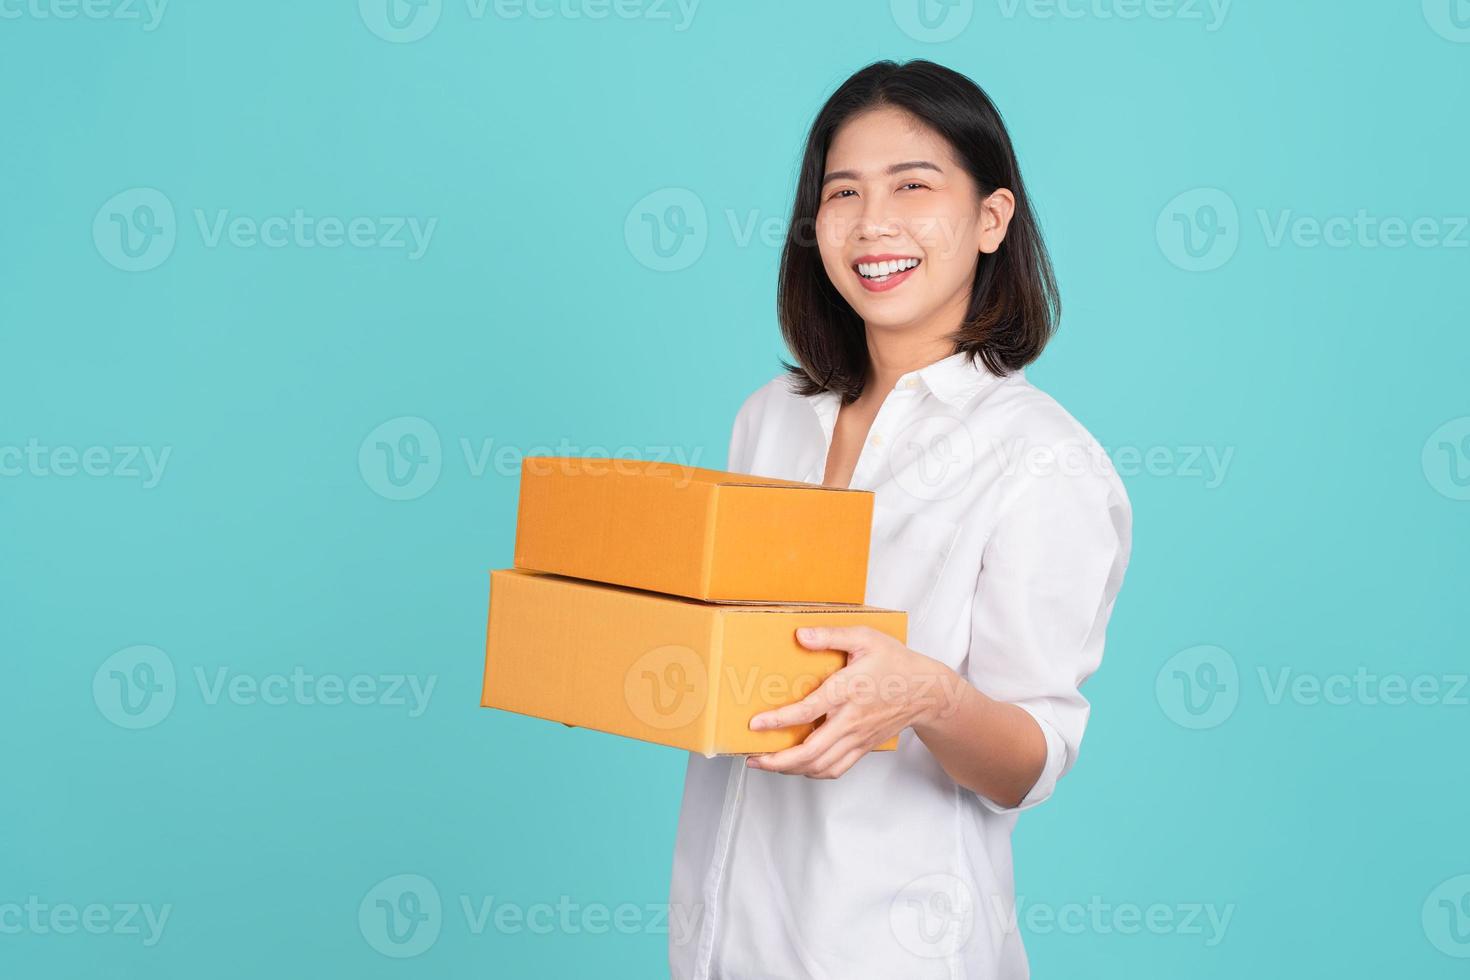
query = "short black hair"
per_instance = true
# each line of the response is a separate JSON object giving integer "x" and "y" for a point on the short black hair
{"x": 1014, "y": 304}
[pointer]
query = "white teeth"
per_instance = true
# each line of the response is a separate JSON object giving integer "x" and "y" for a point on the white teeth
{"x": 881, "y": 270}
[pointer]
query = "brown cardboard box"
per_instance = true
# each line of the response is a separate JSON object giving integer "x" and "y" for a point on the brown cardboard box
{"x": 660, "y": 668}
{"x": 704, "y": 534}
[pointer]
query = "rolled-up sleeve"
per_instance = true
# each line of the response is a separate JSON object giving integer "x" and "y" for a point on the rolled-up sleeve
{"x": 1050, "y": 573}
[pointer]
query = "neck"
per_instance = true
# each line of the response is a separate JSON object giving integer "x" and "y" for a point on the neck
{"x": 892, "y": 354}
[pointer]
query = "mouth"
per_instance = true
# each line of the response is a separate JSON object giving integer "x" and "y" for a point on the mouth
{"x": 880, "y": 273}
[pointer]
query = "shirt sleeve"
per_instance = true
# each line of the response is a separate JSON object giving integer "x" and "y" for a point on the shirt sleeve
{"x": 1049, "y": 576}
{"x": 737, "y": 460}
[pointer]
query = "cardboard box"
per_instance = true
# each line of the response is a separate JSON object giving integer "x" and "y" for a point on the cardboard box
{"x": 659, "y": 668}
{"x": 704, "y": 534}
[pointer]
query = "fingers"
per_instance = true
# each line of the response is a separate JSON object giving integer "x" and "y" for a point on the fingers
{"x": 843, "y": 764}
{"x": 826, "y": 764}
{"x": 798, "y": 758}
{"x": 853, "y": 639}
{"x": 832, "y": 747}
{"x": 807, "y": 710}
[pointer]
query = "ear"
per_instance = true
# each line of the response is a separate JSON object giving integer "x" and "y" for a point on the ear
{"x": 995, "y": 217}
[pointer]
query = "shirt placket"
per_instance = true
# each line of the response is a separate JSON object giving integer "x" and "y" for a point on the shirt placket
{"x": 714, "y": 880}
{"x": 875, "y": 446}
{"x": 867, "y": 473}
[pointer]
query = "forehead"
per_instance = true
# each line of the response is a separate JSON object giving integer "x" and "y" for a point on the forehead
{"x": 874, "y": 139}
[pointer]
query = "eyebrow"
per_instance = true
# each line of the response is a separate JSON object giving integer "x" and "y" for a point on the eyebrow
{"x": 896, "y": 168}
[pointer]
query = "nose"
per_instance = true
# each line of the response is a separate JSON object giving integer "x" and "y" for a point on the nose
{"x": 875, "y": 221}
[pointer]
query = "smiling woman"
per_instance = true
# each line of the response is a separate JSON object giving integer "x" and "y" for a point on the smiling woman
{"x": 912, "y": 312}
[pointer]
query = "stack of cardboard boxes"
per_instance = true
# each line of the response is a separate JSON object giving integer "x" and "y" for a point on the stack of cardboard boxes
{"x": 661, "y": 601}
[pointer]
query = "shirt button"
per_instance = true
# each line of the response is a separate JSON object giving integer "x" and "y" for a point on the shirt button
{"x": 877, "y": 439}
{"x": 911, "y": 383}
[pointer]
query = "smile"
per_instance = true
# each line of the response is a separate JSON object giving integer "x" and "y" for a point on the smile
{"x": 885, "y": 272}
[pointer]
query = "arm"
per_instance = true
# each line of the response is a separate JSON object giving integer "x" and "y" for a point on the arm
{"x": 990, "y": 747}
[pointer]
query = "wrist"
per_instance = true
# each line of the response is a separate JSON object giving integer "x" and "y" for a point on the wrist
{"x": 935, "y": 694}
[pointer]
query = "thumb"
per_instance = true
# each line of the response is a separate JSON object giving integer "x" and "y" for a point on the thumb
{"x": 852, "y": 639}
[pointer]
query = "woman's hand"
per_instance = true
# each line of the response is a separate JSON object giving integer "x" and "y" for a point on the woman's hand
{"x": 884, "y": 688}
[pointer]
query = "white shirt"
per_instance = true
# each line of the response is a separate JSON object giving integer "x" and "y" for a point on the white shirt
{"x": 1003, "y": 530}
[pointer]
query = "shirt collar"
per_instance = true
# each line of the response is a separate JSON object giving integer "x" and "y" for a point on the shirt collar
{"x": 953, "y": 380}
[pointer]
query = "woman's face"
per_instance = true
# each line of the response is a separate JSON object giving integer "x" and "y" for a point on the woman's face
{"x": 900, "y": 224}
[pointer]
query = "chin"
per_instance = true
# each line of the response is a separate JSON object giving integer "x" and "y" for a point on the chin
{"x": 888, "y": 316}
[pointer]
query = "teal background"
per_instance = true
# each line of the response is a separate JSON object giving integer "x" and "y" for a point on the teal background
{"x": 540, "y": 314}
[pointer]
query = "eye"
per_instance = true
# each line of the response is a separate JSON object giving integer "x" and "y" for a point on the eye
{"x": 839, "y": 193}
{"x": 913, "y": 183}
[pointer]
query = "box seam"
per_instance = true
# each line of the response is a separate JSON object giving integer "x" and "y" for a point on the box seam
{"x": 712, "y": 683}
{"x": 707, "y": 556}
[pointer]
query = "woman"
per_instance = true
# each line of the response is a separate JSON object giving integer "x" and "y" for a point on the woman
{"x": 914, "y": 288}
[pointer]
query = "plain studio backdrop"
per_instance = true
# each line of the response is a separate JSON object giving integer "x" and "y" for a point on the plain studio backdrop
{"x": 290, "y": 288}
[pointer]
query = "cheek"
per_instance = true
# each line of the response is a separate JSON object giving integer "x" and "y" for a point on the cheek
{"x": 831, "y": 231}
{"x": 946, "y": 271}
{"x": 944, "y": 233}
